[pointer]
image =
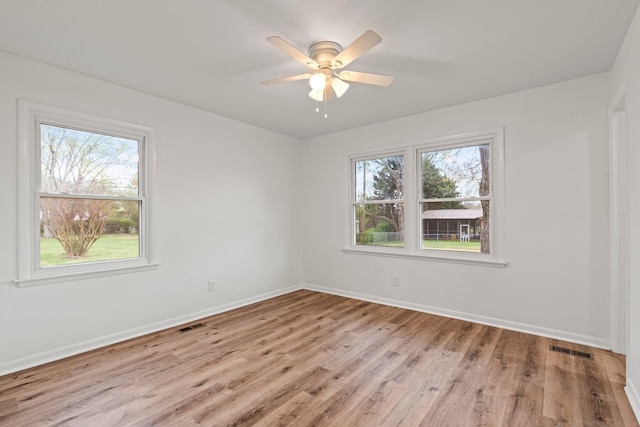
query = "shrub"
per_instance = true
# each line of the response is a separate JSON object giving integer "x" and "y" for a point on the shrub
{"x": 120, "y": 226}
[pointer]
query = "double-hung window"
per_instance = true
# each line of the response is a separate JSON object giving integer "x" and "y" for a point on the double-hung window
{"x": 377, "y": 204}
{"x": 441, "y": 198}
{"x": 455, "y": 198}
{"x": 84, "y": 195}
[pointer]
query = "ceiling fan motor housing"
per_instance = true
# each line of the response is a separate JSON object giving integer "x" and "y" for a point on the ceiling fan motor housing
{"x": 323, "y": 53}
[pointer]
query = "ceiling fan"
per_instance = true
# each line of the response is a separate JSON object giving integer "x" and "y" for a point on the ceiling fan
{"x": 326, "y": 60}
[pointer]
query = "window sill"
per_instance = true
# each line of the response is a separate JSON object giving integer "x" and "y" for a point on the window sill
{"x": 81, "y": 275}
{"x": 457, "y": 257}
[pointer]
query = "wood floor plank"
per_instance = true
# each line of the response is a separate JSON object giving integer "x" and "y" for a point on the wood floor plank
{"x": 560, "y": 378}
{"x": 422, "y": 389}
{"x": 289, "y": 413}
{"x": 309, "y": 358}
{"x": 596, "y": 394}
{"x": 339, "y": 401}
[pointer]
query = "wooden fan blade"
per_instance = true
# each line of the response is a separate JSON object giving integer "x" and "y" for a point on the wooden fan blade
{"x": 286, "y": 79}
{"x": 366, "y": 78}
{"x": 362, "y": 44}
{"x": 292, "y": 51}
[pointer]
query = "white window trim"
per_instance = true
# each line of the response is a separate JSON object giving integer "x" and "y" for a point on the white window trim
{"x": 352, "y": 179}
{"x": 29, "y": 273}
{"x": 412, "y": 248}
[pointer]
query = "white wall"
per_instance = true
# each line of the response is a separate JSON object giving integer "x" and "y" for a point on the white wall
{"x": 556, "y": 281}
{"x": 227, "y": 210}
{"x": 625, "y": 79}
{"x": 234, "y": 206}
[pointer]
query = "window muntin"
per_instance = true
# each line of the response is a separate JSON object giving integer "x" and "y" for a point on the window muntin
{"x": 455, "y": 187}
{"x": 378, "y": 201}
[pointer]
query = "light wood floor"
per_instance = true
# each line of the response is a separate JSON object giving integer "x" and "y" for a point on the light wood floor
{"x": 309, "y": 358}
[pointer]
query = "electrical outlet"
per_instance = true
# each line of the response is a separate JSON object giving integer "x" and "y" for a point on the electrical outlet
{"x": 212, "y": 285}
{"x": 396, "y": 280}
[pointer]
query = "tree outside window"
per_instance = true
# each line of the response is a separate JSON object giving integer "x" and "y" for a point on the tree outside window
{"x": 89, "y": 196}
{"x": 378, "y": 204}
{"x": 85, "y": 196}
{"x": 455, "y": 199}
{"x": 451, "y": 207}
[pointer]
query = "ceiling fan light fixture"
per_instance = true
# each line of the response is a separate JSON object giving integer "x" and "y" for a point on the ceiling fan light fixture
{"x": 318, "y": 95}
{"x": 326, "y": 60}
{"x": 339, "y": 87}
{"x": 318, "y": 81}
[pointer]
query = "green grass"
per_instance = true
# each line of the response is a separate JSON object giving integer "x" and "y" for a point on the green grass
{"x": 456, "y": 245}
{"x": 107, "y": 247}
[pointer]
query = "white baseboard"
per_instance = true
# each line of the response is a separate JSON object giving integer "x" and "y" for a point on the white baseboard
{"x": 81, "y": 347}
{"x": 504, "y": 324}
{"x": 92, "y": 344}
{"x": 634, "y": 397}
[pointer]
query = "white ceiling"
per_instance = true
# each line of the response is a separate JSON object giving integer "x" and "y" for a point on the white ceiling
{"x": 211, "y": 54}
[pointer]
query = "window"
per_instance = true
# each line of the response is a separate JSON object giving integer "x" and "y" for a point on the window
{"x": 378, "y": 201}
{"x": 451, "y": 208}
{"x": 84, "y": 195}
{"x": 455, "y": 201}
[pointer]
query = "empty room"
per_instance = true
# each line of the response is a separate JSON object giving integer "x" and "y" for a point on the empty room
{"x": 364, "y": 213}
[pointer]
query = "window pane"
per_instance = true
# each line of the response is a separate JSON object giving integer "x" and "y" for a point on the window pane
{"x": 79, "y": 162}
{"x": 379, "y": 224}
{"x": 458, "y": 172}
{"x": 86, "y": 230}
{"x": 463, "y": 228}
{"x": 379, "y": 179}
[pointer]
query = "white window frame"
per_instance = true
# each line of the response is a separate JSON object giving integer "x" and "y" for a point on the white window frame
{"x": 30, "y": 116}
{"x": 412, "y": 184}
{"x": 352, "y": 194}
